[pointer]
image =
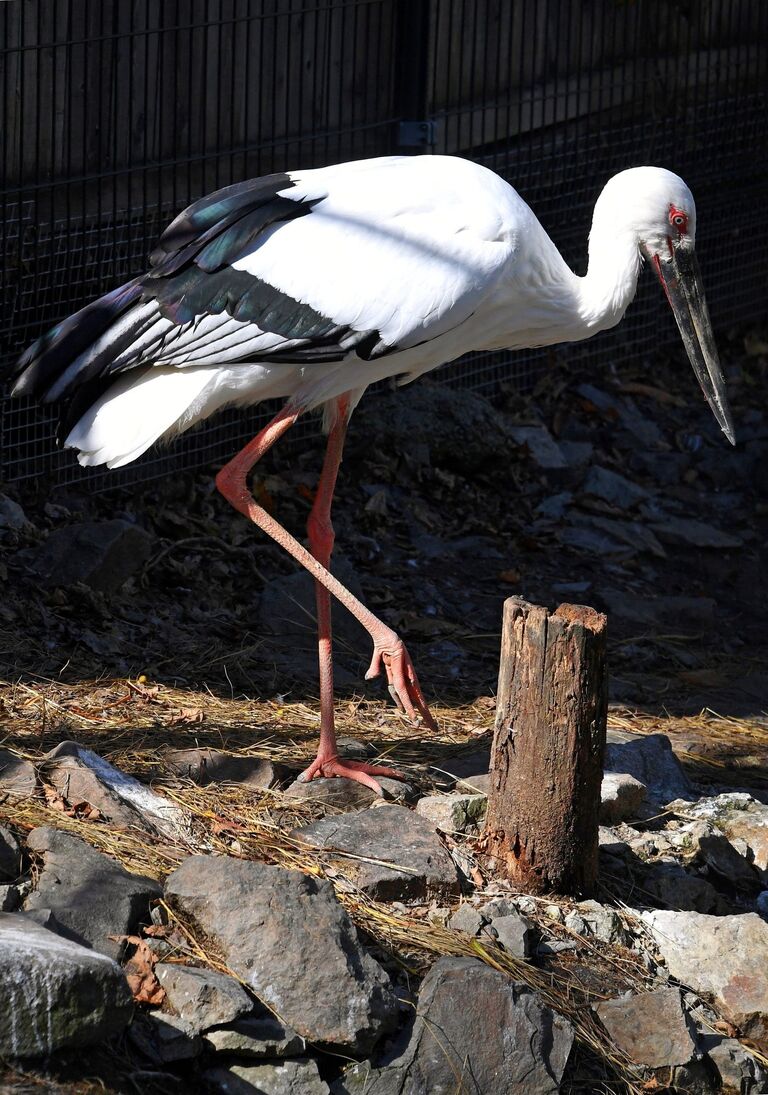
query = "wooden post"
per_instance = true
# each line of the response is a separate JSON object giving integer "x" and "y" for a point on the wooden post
{"x": 547, "y": 760}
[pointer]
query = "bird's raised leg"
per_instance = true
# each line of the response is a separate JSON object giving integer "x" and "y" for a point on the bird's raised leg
{"x": 321, "y": 541}
{"x": 388, "y": 649}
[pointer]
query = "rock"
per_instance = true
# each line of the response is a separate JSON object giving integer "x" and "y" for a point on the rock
{"x": 476, "y": 1030}
{"x": 456, "y": 813}
{"x": 17, "y": 776}
{"x": 204, "y": 766}
{"x": 602, "y": 922}
{"x": 736, "y": 1067}
{"x": 594, "y": 542}
{"x": 389, "y": 834}
{"x": 576, "y": 923}
{"x": 203, "y": 998}
{"x": 672, "y": 886}
{"x": 466, "y": 919}
{"x": 683, "y": 613}
{"x": 620, "y": 797}
{"x": 686, "y": 532}
{"x": 613, "y": 488}
{"x": 542, "y": 448}
{"x": 723, "y": 956}
{"x": 287, "y": 606}
{"x": 12, "y": 516}
{"x": 347, "y": 794}
{"x": 164, "y": 1038}
{"x": 297, "y": 1077}
{"x": 632, "y": 533}
{"x": 739, "y": 816}
{"x": 55, "y": 993}
{"x": 292, "y": 943}
{"x": 651, "y": 1028}
{"x": 10, "y": 855}
{"x": 515, "y": 934}
{"x": 651, "y": 761}
{"x": 260, "y": 1035}
{"x": 717, "y": 852}
{"x": 10, "y": 898}
{"x": 100, "y": 554}
{"x": 466, "y": 770}
{"x": 91, "y": 896}
{"x": 80, "y": 775}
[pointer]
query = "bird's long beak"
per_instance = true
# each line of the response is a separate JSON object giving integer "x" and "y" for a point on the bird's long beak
{"x": 680, "y": 278}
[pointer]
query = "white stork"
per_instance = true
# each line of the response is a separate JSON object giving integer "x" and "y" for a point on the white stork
{"x": 312, "y": 285}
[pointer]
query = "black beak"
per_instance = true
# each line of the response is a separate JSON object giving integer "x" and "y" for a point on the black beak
{"x": 680, "y": 278}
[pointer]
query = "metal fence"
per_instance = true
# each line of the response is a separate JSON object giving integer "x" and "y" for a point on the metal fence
{"x": 116, "y": 115}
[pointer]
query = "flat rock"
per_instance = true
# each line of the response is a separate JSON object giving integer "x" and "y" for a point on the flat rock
{"x": 80, "y": 775}
{"x": 296, "y": 1077}
{"x": 10, "y": 898}
{"x": 412, "y": 864}
{"x": 515, "y": 934}
{"x": 287, "y": 607}
{"x": 632, "y": 533}
{"x": 164, "y": 1038}
{"x": 10, "y": 855}
{"x": 602, "y": 921}
{"x": 476, "y": 1030}
{"x": 719, "y": 854}
{"x": 543, "y": 449}
{"x": 687, "y": 532}
{"x": 204, "y": 766}
{"x": 736, "y": 1067}
{"x": 651, "y": 1028}
{"x": 621, "y": 796}
{"x": 100, "y": 554}
{"x": 348, "y": 794}
{"x": 721, "y": 956}
{"x": 651, "y": 761}
{"x": 260, "y": 1035}
{"x": 203, "y": 998}
{"x": 292, "y": 943}
{"x": 17, "y": 776}
{"x": 739, "y": 816}
{"x": 90, "y": 895}
{"x": 455, "y": 813}
{"x": 674, "y": 887}
{"x": 683, "y": 613}
{"x": 55, "y": 993}
{"x": 12, "y": 516}
{"x": 613, "y": 488}
{"x": 466, "y": 919}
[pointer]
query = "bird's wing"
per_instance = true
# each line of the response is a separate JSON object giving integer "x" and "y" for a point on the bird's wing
{"x": 369, "y": 258}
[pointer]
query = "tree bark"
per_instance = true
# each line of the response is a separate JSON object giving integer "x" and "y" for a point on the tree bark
{"x": 549, "y": 741}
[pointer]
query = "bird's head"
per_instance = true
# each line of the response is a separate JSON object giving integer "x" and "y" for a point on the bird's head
{"x": 658, "y": 209}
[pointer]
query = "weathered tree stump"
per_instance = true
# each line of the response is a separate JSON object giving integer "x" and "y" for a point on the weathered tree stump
{"x": 547, "y": 760}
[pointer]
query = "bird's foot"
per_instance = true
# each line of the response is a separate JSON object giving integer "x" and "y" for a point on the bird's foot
{"x": 330, "y": 767}
{"x": 404, "y": 686}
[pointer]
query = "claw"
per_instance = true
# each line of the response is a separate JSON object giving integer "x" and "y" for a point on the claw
{"x": 358, "y": 770}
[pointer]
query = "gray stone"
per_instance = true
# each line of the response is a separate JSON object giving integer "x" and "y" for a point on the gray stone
{"x": 455, "y": 813}
{"x": 17, "y": 776}
{"x": 91, "y": 896}
{"x": 620, "y": 797}
{"x": 736, "y": 1067}
{"x": 613, "y": 488}
{"x": 631, "y": 533}
{"x": 348, "y": 794}
{"x": 476, "y": 1031}
{"x": 55, "y": 993}
{"x": 411, "y": 863}
{"x": 287, "y": 606}
{"x": 10, "y": 855}
{"x": 543, "y": 449}
{"x": 292, "y": 943}
{"x": 576, "y": 923}
{"x": 515, "y": 934}
{"x": 739, "y": 816}
{"x": 681, "y": 613}
{"x": 204, "y": 766}
{"x": 80, "y": 775}
{"x": 12, "y": 516}
{"x": 164, "y": 1038}
{"x": 466, "y": 919}
{"x": 10, "y": 898}
{"x": 297, "y": 1077}
{"x": 723, "y": 956}
{"x": 719, "y": 854}
{"x": 687, "y": 532}
{"x": 674, "y": 887}
{"x": 652, "y": 1028}
{"x": 100, "y": 554}
{"x": 595, "y": 542}
{"x": 603, "y": 922}
{"x": 260, "y": 1035}
{"x": 651, "y": 761}
{"x": 203, "y": 998}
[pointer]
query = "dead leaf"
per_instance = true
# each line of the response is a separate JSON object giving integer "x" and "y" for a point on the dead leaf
{"x": 189, "y": 714}
{"x": 140, "y": 971}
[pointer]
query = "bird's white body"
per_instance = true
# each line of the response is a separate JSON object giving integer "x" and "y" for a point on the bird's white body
{"x": 437, "y": 255}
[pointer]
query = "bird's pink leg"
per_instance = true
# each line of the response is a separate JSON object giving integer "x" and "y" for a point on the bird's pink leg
{"x": 321, "y": 541}
{"x": 388, "y": 649}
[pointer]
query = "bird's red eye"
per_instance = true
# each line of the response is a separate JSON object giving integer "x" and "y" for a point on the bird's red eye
{"x": 678, "y": 219}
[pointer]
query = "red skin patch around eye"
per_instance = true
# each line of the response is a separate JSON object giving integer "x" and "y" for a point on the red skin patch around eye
{"x": 674, "y": 212}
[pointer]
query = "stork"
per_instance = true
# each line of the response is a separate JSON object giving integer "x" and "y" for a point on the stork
{"x": 311, "y": 285}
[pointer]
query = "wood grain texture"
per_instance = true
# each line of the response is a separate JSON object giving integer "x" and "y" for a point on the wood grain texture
{"x": 547, "y": 760}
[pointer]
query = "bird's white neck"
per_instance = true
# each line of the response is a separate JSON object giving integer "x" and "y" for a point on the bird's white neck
{"x": 608, "y": 287}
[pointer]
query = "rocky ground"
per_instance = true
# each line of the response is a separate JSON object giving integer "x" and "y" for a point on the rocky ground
{"x": 179, "y": 915}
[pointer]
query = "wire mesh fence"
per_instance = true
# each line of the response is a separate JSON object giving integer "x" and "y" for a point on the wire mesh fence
{"x": 115, "y": 116}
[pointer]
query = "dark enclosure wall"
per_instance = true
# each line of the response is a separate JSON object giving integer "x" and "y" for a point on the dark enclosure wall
{"x": 116, "y": 114}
